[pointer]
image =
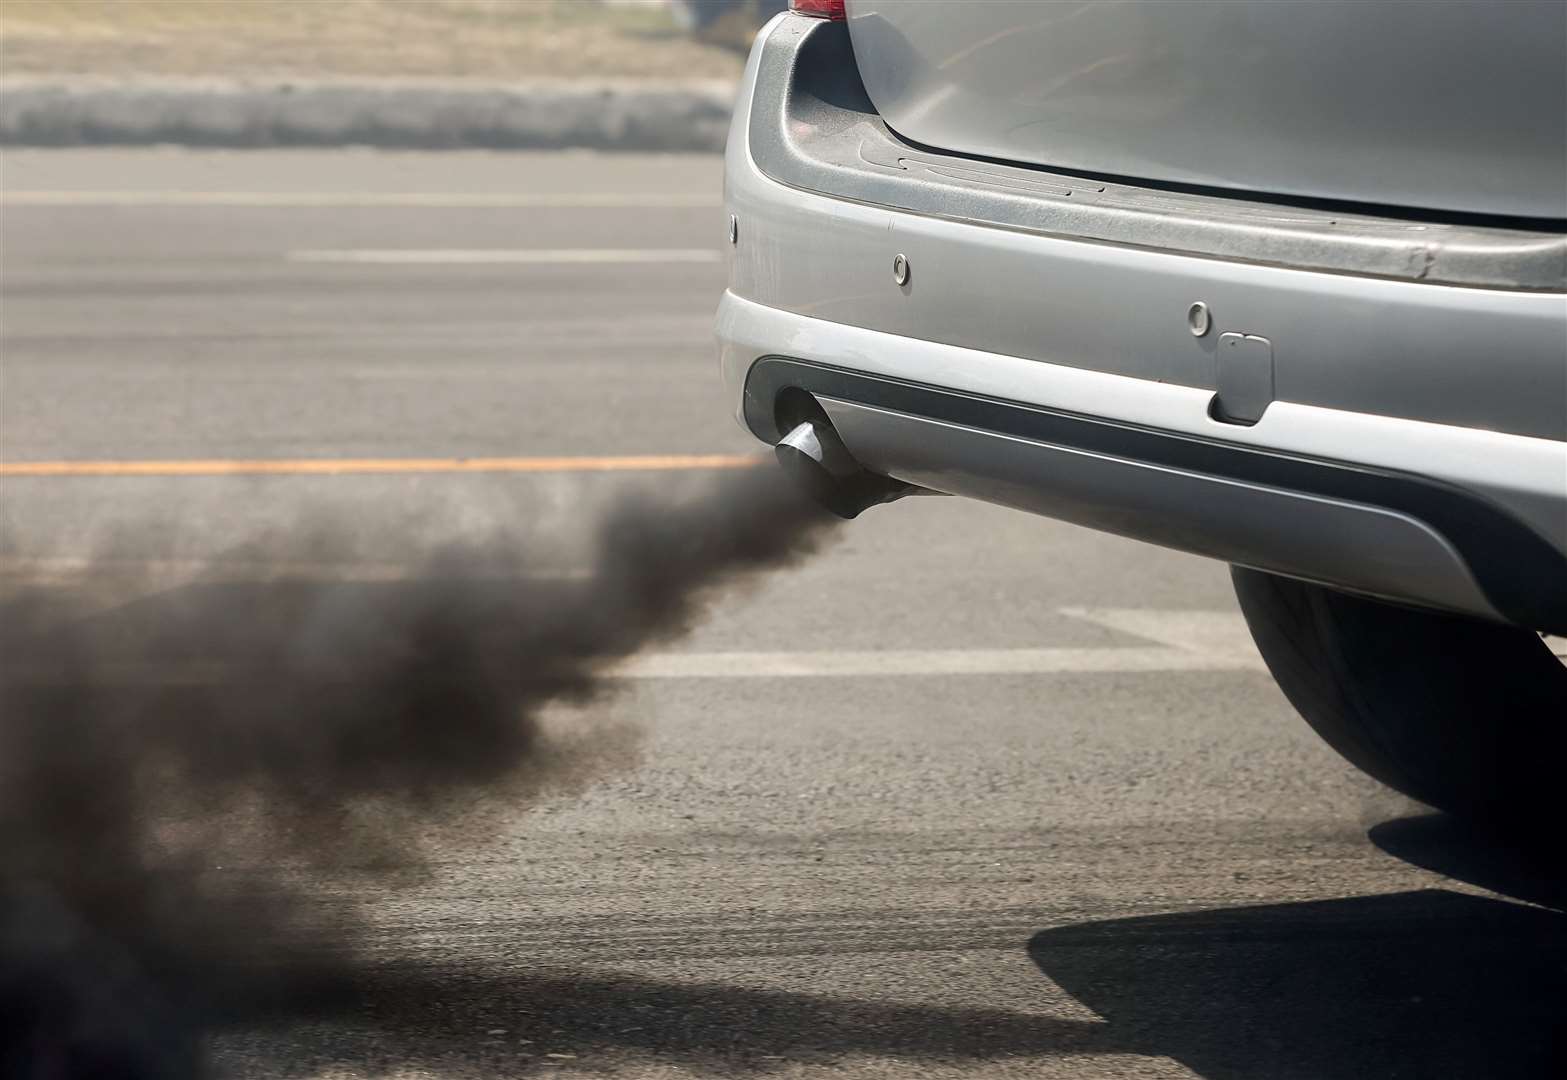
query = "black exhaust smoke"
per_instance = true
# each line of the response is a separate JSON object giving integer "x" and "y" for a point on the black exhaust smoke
{"x": 294, "y": 727}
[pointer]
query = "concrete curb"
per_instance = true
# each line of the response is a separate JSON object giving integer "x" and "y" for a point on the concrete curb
{"x": 597, "y": 114}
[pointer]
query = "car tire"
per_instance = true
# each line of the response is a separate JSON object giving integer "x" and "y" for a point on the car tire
{"x": 1465, "y": 715}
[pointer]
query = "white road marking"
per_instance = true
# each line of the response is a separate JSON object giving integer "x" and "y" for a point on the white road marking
{"x": 1211, "y": 633}
{"x": 902, "y": 663}
{"x": 487, "y": 256}
{"x": 429, "y": 199}
{"x": 1185, "y": 640}
{"x": 923, "y": 662}
{"x": 25, "y": 571}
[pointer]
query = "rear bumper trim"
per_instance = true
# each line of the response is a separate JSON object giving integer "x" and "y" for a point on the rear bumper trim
{"x": 1521, "y": 576}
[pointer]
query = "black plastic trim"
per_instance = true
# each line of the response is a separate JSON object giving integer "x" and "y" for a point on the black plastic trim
{"x": 813, "y": 127}
{"x": 1523, "y": 576}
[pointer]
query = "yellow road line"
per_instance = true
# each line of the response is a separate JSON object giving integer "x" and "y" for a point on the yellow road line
{"x": 349, "y": 466}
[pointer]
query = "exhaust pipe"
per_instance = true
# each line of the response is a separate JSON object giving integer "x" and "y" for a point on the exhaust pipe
{"x": 815, "y": 458}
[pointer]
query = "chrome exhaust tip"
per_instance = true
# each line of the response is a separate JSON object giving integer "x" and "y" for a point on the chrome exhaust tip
{"x": 815, "y": 458}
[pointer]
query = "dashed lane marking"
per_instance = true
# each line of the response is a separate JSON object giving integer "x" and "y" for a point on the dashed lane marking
{"x": 352, "y": 466}
{"x": 506, "y": 256}
{"x": 416, "y": 199}
{"x": 925, "y": 662}
{"x": 900, "y": 663}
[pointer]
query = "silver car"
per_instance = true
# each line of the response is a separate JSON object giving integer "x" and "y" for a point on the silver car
{"x": 1277, "y": 283}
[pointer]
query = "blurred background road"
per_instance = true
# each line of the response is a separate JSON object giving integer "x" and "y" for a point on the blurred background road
{"x": 994, "y": 796}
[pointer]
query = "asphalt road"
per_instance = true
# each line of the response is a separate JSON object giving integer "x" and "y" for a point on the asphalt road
{"x": 993, "y": 796}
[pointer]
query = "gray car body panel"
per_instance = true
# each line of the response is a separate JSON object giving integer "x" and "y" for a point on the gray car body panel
{"x": 817, "y": 130}
{"x": 1397, "y": 346}
{"x": 1452, "y": 105}
{"x": 1465, "y": 388}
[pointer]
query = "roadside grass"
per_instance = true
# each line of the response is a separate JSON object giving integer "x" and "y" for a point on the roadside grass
{"x": 489, "y": 39}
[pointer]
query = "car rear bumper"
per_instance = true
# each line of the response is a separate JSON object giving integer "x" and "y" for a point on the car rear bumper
{"x": 1412, "y": 436}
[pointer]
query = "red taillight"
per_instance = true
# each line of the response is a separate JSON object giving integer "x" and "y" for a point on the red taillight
{"x": 822, "y": 9}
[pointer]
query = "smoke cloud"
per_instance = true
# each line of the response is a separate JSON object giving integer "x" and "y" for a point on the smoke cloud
{"x": 296, "y": 726}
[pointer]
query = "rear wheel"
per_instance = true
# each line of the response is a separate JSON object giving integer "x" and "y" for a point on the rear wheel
{"x": 1468, "y": 716}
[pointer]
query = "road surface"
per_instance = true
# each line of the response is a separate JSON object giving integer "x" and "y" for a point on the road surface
{"x": 969, "y": 794}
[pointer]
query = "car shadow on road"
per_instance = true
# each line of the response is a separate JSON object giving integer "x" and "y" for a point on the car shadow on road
{"x": 494, "y": 1022}
{"x": 1427, "y": 983}
{"x": 1433, "y": 982}
{"x": 1526, "y": 862}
